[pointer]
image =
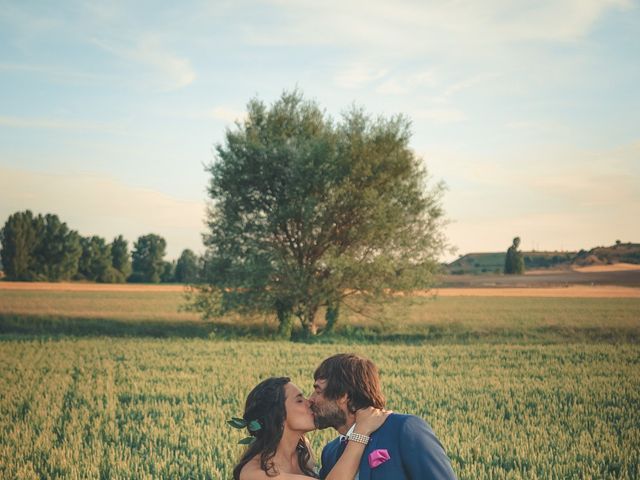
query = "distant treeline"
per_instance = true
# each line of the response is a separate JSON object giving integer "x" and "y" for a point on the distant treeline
{"x": 43, "y": 248}
{"x": 547, "y": 261}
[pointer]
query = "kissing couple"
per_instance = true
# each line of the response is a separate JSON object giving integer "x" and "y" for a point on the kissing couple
{"x": 374, "y": 443}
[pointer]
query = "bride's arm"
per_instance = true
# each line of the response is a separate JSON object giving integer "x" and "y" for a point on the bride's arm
{"x": 367, "y": 422}
{"x": 346, "y": 467}
{"x": 349, "y": 461}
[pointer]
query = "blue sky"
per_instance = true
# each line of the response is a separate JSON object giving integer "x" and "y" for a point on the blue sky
{"x": 528, "y": 111}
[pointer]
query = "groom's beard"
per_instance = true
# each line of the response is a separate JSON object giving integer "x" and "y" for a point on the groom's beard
{"x": 329, "y": 416}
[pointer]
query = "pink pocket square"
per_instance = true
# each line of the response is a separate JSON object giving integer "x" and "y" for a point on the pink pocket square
{"x": 378, "y": 457}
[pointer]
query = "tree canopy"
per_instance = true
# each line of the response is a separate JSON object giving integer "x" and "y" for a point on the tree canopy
{"x": 42, "y": 248}
{"x": 307, "y": 211}
{"x": 95, "y": 262}
{"x": 38, "y": 248}
{"x": 148, "y": 258}
{"x": 187, "y": 267}
{"x": 120, "y": 259}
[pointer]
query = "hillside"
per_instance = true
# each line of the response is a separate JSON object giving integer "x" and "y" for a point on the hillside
{"x": 493, "y": 262}
{"x": 618, "y": 253}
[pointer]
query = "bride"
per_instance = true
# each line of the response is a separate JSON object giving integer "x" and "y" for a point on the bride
{"x": 277, "y": 416}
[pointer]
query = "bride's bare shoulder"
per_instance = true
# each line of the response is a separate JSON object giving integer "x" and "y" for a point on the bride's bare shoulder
{"x": 252, "y": 471}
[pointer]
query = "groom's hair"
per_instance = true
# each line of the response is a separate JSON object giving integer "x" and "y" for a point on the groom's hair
{"x": 347, "y": 373}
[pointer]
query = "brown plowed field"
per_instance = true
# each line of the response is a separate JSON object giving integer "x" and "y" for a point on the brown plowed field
{"x": 90, "y": 287}
{"x": 616, "y": 267}
{"x": 570, "y": 291}
{"x": 573, "y": 291}
{"x": 598, "y": 277}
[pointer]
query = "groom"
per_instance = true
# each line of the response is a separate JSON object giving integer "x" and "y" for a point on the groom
{"x": 404, "y": 447}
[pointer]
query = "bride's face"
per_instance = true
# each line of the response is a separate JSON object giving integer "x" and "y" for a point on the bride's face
{"x": 299, "y": 414}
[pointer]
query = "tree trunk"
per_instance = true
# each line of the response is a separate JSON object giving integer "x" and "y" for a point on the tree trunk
{"x": 285, "y": 322}
{"x": 311, "y": 329}
{"x": 309, "y": 321}
{"x": 331, "y": 316}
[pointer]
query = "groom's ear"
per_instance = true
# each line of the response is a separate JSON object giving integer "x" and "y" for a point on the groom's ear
{"x": 343, "y": 402}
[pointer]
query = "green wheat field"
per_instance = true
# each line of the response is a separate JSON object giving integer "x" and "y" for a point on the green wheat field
{"x": 541, "y": 388}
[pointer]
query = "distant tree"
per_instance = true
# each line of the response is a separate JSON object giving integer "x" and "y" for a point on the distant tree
{"x": 58, "y": 250}
{"x": 95, "y": 261}
{"x": 120, "y": 259}
{"x": 168, "y": 272}
{"x": 148, "y": 258}
{"x": 308, "y": 211}
{"x": 187, "y": 267}
{"x": 20, "y": 237}
{"x": 39, "y": 248}
{"x": 514, "y": 263}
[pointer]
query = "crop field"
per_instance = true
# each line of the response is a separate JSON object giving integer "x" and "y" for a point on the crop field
{"x": 515, "y": 388}
{"x": 151, "y": 408}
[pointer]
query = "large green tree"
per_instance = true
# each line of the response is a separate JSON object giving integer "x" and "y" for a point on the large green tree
{"x": 307, "y": 211}
{"x": 148, "y": 258}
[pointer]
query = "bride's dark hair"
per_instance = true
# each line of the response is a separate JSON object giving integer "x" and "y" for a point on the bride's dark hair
{"x": 265, "y": 403}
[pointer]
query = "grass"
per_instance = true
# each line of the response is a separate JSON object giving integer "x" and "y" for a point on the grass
{"x": 152, "y": 408}
{"x": 133, "y": 305}
{"x": 410, "y": 320}
{"x": 123, "y": 385}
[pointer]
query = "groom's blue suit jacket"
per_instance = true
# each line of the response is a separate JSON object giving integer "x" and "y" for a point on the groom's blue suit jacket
{"x": 415, "y": 452}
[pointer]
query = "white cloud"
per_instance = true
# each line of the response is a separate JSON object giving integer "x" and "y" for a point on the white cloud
{"x": 29, "y": 23}
{"x": 465, "y": 84}
{"x": 526, "y": 125}
{"x": 565, "y": 20}
{"x": 358, "y": 75}
{"x": 227, "y": 114}
{"x": 99, "y": 205}
{"x": 58, "y": 74}
{"x": 409, "y": 26}
{"x": 440, "y": 115}
{"x": 58, "y": 124}
{"x": 399, "y": 85}
{"x": 176, "y": 71}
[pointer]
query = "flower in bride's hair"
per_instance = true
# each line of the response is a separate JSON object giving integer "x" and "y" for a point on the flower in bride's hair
{"x": 238, "y": 423}
{"x": 252, "y": 425}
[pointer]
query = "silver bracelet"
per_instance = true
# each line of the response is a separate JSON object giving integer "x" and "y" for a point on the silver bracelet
{"x": 357, "y": 437}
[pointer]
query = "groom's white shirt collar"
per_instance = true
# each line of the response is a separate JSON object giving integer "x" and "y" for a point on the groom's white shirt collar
{"x": 357, "y": 477}
{"x": 349, "y": 432}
